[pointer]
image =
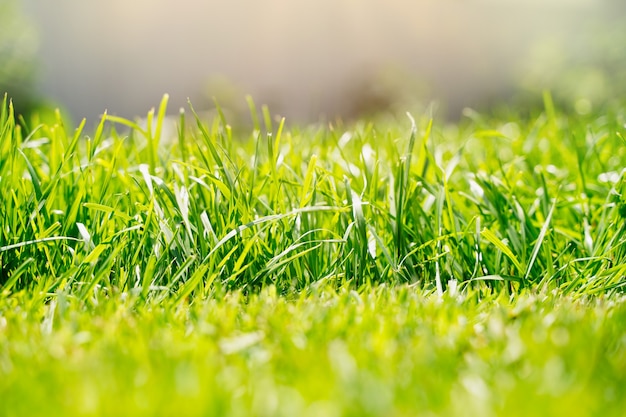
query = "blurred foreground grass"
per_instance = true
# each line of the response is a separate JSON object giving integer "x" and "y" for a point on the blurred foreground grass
{"x": 382, "y": 352}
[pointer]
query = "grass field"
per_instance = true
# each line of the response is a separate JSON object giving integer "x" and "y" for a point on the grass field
{"x": 390, "y": 267}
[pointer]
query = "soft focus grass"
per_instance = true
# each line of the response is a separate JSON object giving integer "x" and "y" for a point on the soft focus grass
{"x": 385, "y": 352}
{"x": 387, "y": 267}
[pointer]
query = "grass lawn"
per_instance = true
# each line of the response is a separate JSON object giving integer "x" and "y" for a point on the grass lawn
{"x": 384, "y": 351}
{"x": 387, "y": 267}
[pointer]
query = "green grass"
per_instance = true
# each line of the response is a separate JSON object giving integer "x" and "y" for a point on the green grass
{"x": 507, "y": 204}
{"x": 385, "y": 352}
{"x": 388, "y": 267}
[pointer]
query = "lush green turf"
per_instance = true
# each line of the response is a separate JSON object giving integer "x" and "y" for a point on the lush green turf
{"x": 388, "y": 267}
{"x": 511, "y": 203}
{"x": 384, "y": 352}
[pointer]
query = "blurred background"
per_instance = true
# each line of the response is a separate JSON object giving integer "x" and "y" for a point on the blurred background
{"x": 310, "y": 60}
